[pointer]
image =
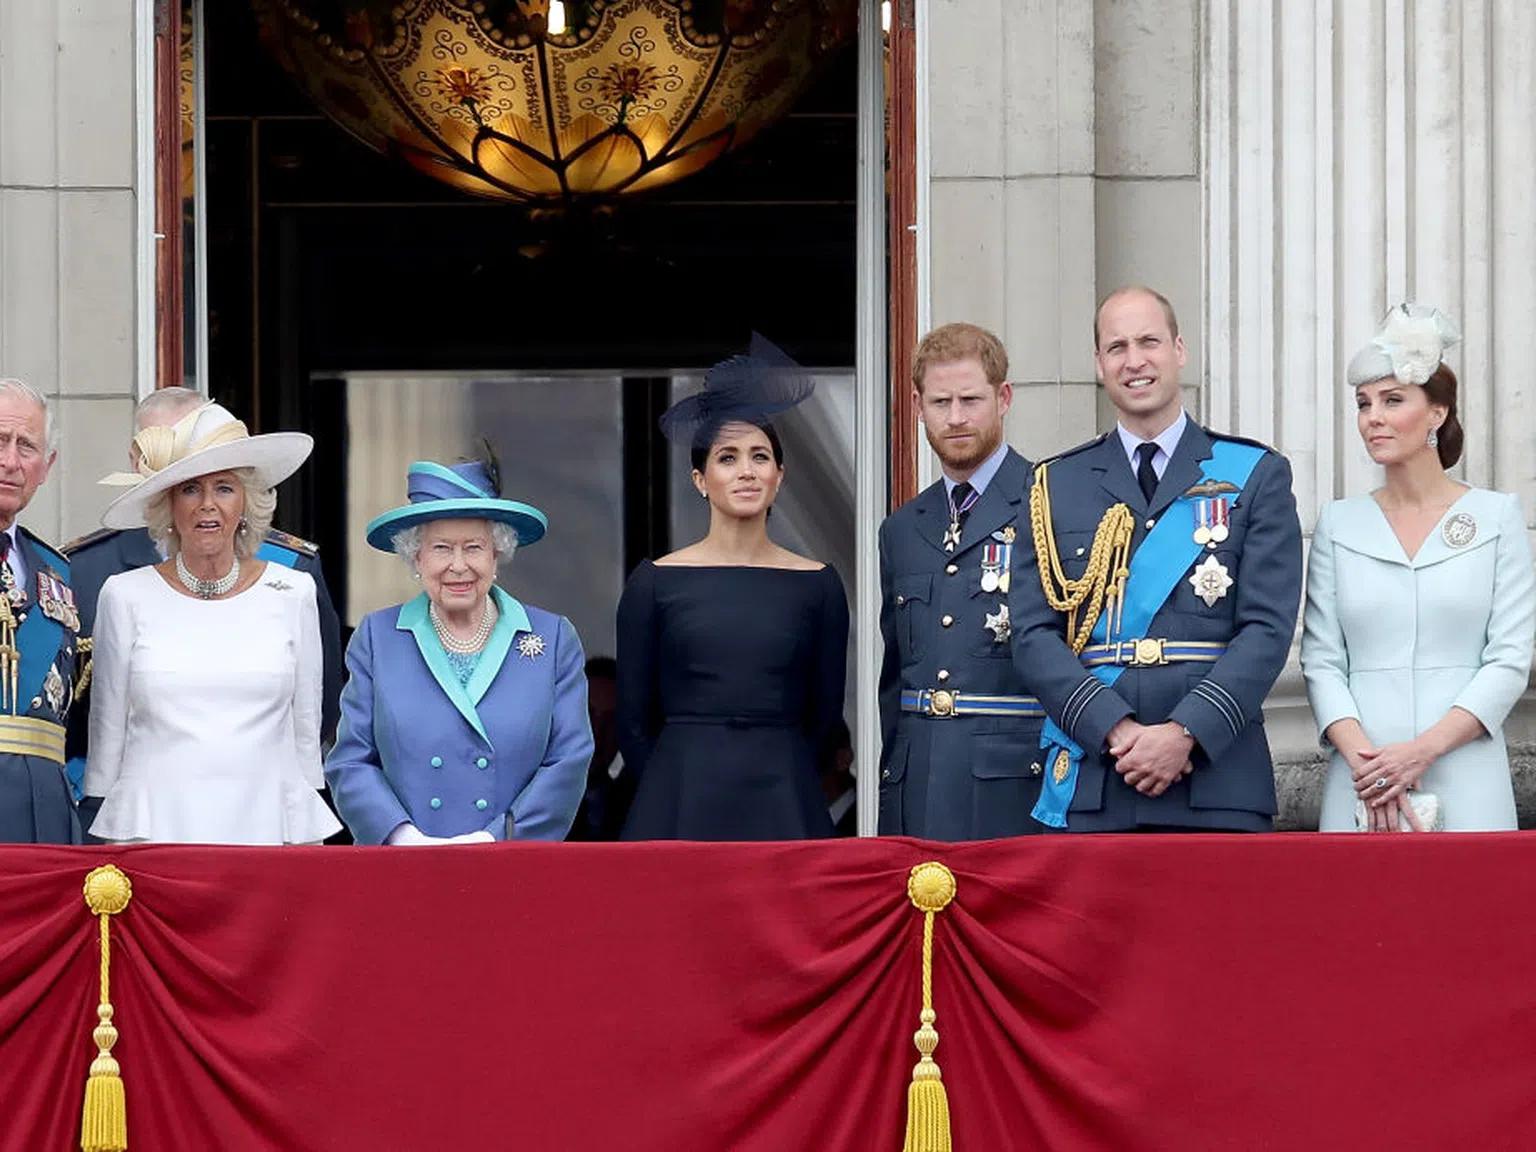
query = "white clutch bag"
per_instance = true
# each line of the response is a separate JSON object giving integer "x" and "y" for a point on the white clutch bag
{"x": 1426, "y": 806}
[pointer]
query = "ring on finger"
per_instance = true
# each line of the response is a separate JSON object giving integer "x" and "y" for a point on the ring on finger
{"x": 1379, "y": 783}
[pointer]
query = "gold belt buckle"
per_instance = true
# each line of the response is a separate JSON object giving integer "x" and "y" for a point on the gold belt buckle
{"x": 1148, "y": 652}
{"x": 941, "y": 703}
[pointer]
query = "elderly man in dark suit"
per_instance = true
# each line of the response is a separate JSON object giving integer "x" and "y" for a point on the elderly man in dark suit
{"x": 1155, "y": 600}
{"x": 960, "y": 751}
{"x": 104, "y": 553}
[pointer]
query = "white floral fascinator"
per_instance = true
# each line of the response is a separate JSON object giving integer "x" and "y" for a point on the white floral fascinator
{"x": 1412, "y": 342}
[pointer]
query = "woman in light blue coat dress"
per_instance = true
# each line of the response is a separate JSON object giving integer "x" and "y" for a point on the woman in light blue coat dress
{"x": 465, "y": 715}
{"x": 1421, "y": 605}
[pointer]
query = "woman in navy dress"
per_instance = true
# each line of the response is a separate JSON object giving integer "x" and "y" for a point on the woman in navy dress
{"x": 732, "y": 651}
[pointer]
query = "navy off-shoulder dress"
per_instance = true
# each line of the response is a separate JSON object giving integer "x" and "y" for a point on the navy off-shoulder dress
{"x": 730, "y": 684}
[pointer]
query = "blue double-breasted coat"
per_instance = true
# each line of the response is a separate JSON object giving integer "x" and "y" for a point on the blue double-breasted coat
{"x": 507, "y": 753}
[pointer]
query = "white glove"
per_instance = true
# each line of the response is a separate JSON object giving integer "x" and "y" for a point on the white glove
{"x": 410, "y": 836}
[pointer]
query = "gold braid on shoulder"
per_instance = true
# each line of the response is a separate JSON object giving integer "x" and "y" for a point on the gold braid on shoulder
{"x": 1108, "y": 565}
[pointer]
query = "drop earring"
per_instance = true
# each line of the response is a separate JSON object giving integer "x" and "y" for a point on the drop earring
{"x": 1433, "y": 439}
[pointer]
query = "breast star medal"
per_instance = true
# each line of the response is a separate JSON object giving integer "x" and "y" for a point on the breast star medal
{"x": 1460, "y": 530}
{"x": 1211, "y": 581}
{"x": 530, "y": 645}
{"x": 53, "y": 689}
{"x": 997, "y": 623}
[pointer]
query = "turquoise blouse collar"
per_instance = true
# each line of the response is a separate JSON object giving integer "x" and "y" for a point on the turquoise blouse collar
{"x": 513, "y": 619}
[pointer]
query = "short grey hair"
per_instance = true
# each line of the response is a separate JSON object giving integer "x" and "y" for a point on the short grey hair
{"x": 14, "y": 387}
{"x": 260, "y": 506}
{"x": 166, "y": 406}
{"x": 407, "y": 543}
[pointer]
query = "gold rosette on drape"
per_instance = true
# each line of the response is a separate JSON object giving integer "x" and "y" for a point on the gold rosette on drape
{"x": 930, "y": 887}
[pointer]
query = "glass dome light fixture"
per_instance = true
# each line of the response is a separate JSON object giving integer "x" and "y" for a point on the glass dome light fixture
{"x": 547, "y": 101}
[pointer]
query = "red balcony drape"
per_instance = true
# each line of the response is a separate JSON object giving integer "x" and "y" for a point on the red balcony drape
{"x": 1203, "y": 992}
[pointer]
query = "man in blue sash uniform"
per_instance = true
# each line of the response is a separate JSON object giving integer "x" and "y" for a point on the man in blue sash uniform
{"x": 38, "y": 624}
{"x": 104, "y": 553}
{"x": 960, "y": 752}
{"x": 1155, "y": 601}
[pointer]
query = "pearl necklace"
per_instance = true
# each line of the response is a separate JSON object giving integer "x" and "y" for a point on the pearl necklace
{"x": 207, "y": 589}
{"x": 475, "y": 643}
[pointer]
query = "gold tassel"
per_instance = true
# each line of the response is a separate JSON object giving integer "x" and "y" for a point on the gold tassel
{"x": 104, "y": 1121}
{"x": 930, "y": 887}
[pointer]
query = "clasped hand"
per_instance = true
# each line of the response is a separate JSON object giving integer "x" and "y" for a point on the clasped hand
{"x": 1150, "y": 756}
{"x": 1384, "y": 776}
{"x": 411, "y": 836}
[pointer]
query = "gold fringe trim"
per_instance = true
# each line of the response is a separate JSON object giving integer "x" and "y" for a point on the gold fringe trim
{"x": 104, "y": 1119}
{"x": 84, "y": 646}
{"x": 930, "y": 887}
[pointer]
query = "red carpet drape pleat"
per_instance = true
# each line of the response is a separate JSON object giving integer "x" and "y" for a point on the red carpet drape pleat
{"x": 1190, "y": 993}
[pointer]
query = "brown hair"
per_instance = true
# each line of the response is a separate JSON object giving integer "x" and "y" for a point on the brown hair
{"x": 1168, "y": 314}
{"x": 952, "y": 342}
{"x": 1440, "y": 389}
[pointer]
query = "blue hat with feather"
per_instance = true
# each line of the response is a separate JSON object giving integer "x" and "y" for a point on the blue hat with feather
{"x": 468, "y": 491}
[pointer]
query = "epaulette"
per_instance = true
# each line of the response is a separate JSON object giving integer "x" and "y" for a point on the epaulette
{"x": 45, "y": 547}
{"x": 87, "y": 540}
{"x": 1239, "y": 440}
{"x": 1083, "y": 447}
{"x": 296, "y": 543}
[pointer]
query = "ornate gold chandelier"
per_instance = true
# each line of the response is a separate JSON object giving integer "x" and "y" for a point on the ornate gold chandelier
{"x": 543, "y": 101}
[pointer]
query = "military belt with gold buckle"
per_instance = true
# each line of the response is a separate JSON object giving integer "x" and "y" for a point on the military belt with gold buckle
{"x": 30, "y": 736}
{"x": 940, "y": 702}
{"x": 1149, "y": 653}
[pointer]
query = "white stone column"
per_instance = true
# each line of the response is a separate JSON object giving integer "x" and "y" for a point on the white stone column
{"x": 67, "y": 237}
{"x": 1010, "y": 196}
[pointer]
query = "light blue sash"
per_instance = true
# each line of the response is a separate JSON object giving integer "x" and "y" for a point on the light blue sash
{"x": 1159, "y": 564}
{"x": 38, "y": 638}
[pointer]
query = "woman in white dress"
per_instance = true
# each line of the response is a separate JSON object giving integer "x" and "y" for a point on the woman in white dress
{"x": 205, "y": 722}
{"x": 1421, "y": 605}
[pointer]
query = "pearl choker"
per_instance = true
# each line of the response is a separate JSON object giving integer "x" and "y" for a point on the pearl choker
{"x": 207, "y": 589}
{"x": 475, "y": 643}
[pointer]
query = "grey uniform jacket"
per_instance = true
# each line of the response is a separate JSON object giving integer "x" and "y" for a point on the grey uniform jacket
{"x": 960, "y": 777}
{"x": 1232, "y": 785}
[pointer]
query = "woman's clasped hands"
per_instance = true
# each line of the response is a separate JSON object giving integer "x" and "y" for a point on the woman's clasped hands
{"x": 1384, "y": 776}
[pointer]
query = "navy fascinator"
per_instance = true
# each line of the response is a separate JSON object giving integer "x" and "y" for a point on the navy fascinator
{"x": 746, "y": 389}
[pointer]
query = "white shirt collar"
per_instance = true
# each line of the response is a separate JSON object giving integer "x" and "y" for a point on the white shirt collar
{"x": 1166, "y": 440}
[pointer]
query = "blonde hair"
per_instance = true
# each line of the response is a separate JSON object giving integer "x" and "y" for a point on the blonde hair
{"x": 260, "y": 506}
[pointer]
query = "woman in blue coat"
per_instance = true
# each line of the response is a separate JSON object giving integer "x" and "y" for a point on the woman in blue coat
{"x": 465, "y": 715}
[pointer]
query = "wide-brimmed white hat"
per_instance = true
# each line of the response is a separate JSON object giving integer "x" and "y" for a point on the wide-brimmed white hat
{"x": 207, "y": 439}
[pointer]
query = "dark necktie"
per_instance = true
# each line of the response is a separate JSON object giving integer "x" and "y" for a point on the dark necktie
{"x": 960, "y": 500}
{"x": 7, "y": 577}
{"x": 1146, "y": 476}
{"x": 960, "y": 503}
